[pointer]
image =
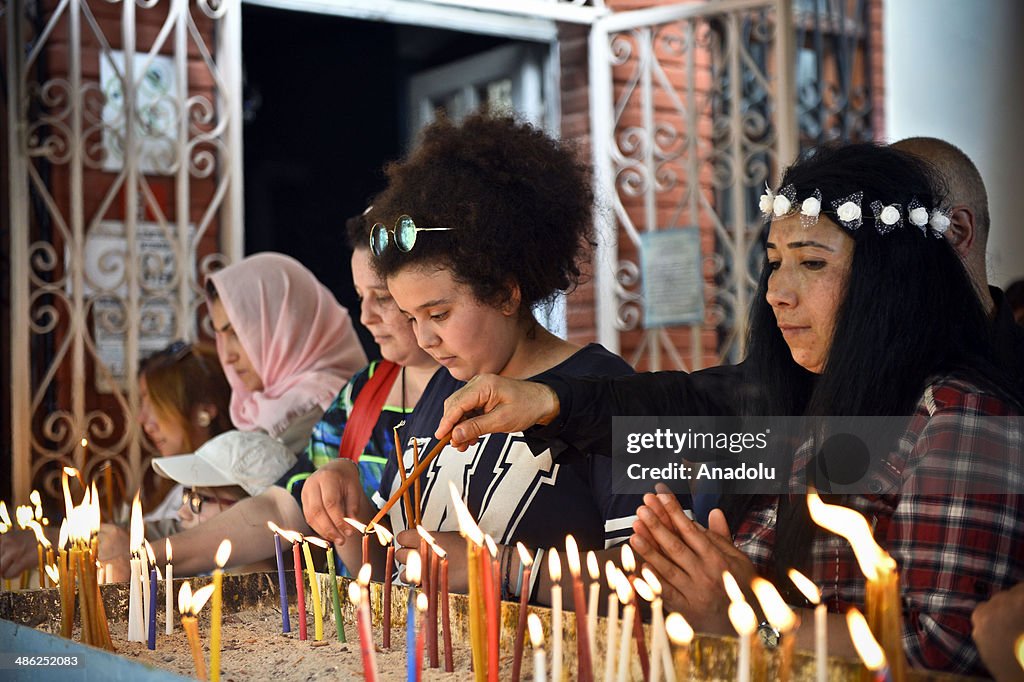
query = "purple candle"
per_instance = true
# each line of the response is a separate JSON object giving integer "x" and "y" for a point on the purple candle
{"x": 286, "y": 626}
{"x": 152, "y": 608}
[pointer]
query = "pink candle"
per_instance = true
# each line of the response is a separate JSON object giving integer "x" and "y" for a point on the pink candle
{"x": 300, "y": 589}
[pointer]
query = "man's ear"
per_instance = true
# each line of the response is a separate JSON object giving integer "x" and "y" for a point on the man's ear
{"x": 961, "y": 231}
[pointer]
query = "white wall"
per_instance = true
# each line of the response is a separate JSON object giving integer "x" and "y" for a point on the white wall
{"x": 953, "y": 70}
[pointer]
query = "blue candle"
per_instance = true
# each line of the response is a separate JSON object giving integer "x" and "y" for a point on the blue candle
{"x": 152, "y": 608}
{"x": 286, "y": 626}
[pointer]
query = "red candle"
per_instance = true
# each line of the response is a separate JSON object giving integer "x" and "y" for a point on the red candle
{"x": 629, "y": 566}
{"x": 446, "y": 622}
{"x": 358, "y": 595}
{"x": 389, "y": 567}
{"x": 429, "y": 587}
{"x": 572, "y": 555}
{"x": 493, "y": 601}
{"x": 524, "y": 597}
{"x": 421, "y": 606}
{"x": 300, "y": 589}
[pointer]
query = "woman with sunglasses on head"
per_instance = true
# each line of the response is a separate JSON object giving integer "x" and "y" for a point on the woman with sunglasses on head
{"x": 480, "y": 225}
{"x": 863, "y": 310}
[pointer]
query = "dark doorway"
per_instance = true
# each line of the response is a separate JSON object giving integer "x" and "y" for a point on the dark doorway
{"x": 325, "y": 106}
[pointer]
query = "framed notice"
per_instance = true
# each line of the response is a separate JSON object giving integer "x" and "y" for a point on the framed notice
{"x": 673, "y": 282}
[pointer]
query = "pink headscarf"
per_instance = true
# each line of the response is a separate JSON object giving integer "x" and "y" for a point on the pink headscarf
{"x": 298, "y": 338}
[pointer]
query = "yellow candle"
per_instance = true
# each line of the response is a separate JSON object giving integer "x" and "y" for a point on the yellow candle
{"x": 189, "y": 606}
{"x": 314, "y": 591}
{"x": 223, "y": 552}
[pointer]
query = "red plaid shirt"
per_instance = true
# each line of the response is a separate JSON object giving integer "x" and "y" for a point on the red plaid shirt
{"x": 954, "y": 548}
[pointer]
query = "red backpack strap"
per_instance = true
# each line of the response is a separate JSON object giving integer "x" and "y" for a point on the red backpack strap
{"x": 366, "y": 410}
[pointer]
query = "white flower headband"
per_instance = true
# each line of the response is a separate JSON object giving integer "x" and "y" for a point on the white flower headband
{"x": 848, "y": 211}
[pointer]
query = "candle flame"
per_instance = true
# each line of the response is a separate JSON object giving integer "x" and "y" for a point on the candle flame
{"x": 319, "y": 542}
{"x": 138, "y": 531}
{"x": 149, "y": 553}
{"x": 37, "y": 501}
{"x": 806, "y": 587}
{"x": 467, "y": 526}
{"x": 593, "y": 568}
{"x": 851, "y": 525}
{"x": 413, "y": 567}
{"x": 289, "y": 535}
{"x": 491, "y": 547}
{"x": 365, "y": 573}
{"x": 572, "y": 556}
{"x": 355, "y": 593}
{"x": 525, "y": 558}
{"x": 94, "y": 510}
{"x": 51, "y": 570}
{"x": 223, "y": 552}
{"x": 1018, "y": 650}
{"x": 384, "y": 536}
{"x": 425, "y": 534}
{"x": 628, "y": 560}
{"x": 62, "y": 539}
{"x": 421, "y": 602}
{"x": 23, "y": 514}
{"x": 185, "y": 599}
{"x": 167, "y": 549}
{"x": 361, "y": 527}
{"x": 742, "y": 618}
{"x": 864, "y": 642}
{"x": 85, "y": 442}
{"x": 679, "y": 631}
{"x": 200, "y": 597}
{"x": 274, "y": 527}
{"x": 609, "y": 574}
{"x": 554, "y": 566}
{"x": 536, "y": 630}
{"x": 4, "y": 516}
{"x": 651, "y": 580}
{"x": 732, "y": 588}
{"x": 774, "y": 606}
{"x": 38, "y": 530}
{"x": 643, "y": 589}
{"x": 622, "y": 587}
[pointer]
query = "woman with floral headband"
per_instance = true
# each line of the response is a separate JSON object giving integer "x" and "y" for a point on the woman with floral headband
{"x": 861, "y": 311}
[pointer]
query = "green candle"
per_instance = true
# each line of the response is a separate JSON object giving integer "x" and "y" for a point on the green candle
{"x": 334, "y": 595}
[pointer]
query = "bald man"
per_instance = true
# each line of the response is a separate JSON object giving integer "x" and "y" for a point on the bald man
{"x": 967, "y": 205}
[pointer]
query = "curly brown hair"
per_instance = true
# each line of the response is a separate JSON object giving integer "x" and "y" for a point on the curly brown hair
{"x": 518, "y": 201}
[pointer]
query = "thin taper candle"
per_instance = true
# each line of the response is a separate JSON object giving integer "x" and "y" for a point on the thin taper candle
{"x": 168, "y": 590}
{"x": 220, "y": 559}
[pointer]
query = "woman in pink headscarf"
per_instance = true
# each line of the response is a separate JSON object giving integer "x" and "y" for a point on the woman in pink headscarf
{"x": 286, "y": 345}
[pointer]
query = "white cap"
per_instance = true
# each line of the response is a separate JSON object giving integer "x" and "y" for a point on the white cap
{"x": 250, "y": 459}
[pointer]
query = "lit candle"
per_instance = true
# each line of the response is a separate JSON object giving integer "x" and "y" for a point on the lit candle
{"x": 882, "y": 591}
{"x": 782, "y": 618}
{"x": 594, "y": 571}
{"x": 135, "y": 612}
{"x": 314, "y": 586}
{"x": 611, "y": 575}
{"x": 555, "y": 573}
{"x": 867, "y": 647}
{"x": 474, "y": 539}
{"x": 168, "y": 590}
{"x": 421, "y": 607}
{"x": 412, "y": 579}
{"x": 366, "y": 538}
{"x": 300, "y": 589}
{"x": 339, "y": 624}
{"x": 661, "y": 654}
{"x": 430, "y": 624}
{"x": 745, "y": 623}
{"x": 681, "y": 634}
{"x": 526, "y": 560}
{"x": 286, "y": 625}
{"x": 643, "y": 591}
{"x": 358, "y": 595}
{"x": 446, "y": 621}
{"x": 629, "y": 569}
{"x": 67, "y": 580}
{"x": 220, "y": 559}
{"x": 537, "y": 640}
{"x": 189, "y": 606}
{"x": 813, "y": 594}
{"x": 572, "y": 558}
{"x": 385, "y": 538}
{"x": 625, "y": 593}
{"x": 492, "y": 596}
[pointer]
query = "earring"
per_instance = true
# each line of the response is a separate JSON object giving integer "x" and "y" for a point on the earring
{"x": 204, "y": 418}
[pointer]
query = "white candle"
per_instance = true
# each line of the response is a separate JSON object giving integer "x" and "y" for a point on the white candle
{"x": 813, "y": 594}
{"x": 168, "y": 591}
{"x": 610, "y": 574}
{"x": 624, "y": 642}
{"x": 555, "y": 570}
{"x": 537, "y": 640}
{"x": 134, "y": 604}
{"x": 595, "y": 595}
{"x": 745, "y": 622}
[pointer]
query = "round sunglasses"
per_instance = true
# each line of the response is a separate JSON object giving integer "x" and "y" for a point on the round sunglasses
{"x": 403, "y": 235}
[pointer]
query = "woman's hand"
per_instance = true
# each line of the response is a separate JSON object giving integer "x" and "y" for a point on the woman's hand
{"x": 688, "y": 558}
{"x": 453, "y": 544}
{"x": 332, "y": 493}
{"x": 506, "y": 406}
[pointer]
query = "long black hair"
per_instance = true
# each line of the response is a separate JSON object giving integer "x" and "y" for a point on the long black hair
{"x": 908, "y": 313}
